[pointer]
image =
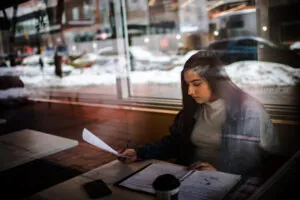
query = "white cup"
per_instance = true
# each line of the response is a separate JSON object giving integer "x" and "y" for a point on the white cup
{"x": 167, "y": 194}
{"x": 166, "y": 187}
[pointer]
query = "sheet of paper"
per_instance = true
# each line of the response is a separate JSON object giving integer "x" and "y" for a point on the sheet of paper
{"x": 207, "y": 185}
{"x": 94, "y": 140}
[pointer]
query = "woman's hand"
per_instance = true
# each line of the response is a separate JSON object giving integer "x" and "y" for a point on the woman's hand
{"x": 128, "y": 156}
{"x": 201, "y": 166}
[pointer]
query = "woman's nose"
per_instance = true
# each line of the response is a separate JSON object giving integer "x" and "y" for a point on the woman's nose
{"x": 190, "y": 91}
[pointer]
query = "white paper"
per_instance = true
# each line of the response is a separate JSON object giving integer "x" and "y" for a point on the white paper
{"x": 94, "y": 140}
{"x": 143, "y": 180}
{"x": 207, "y": 185}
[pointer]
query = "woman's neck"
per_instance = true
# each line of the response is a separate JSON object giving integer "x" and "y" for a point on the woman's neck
{"x": 212, "y": 98}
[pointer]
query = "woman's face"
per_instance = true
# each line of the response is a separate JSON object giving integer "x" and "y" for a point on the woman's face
{"x": 198, "y": 87}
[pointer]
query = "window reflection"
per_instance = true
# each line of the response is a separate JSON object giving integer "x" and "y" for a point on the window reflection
{"x": 148, "y": 42}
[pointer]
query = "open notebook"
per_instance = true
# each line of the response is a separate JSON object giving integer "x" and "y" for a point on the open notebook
{"x": 198, "y": 185}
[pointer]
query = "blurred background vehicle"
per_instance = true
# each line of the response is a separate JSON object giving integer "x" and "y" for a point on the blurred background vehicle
{"x": 248, "y": 48}
{"x": 181, "y": 59}
{"x": 295, "y": 46}
{"x": 141, "y": 59}
{"x": 102, "y": 34}
{"x": 240, "y": 48}
{"x": 83, "y": 37}
{"x": 107, "y": 56}
{"x": 83, "y": 60}
{"x": 144, "y": 59}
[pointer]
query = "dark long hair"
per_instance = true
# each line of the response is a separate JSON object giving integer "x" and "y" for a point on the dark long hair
{"x": 208, "y": 65}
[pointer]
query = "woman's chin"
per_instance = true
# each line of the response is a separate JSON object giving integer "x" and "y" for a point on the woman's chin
{"x": 200, "y": 101}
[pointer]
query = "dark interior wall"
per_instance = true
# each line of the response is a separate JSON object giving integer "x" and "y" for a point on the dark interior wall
{"x": 145, "y": 127}
{"x": 141, "y": 127}
{"x": 285, "y": 22}
{"x": 289, "y": 138}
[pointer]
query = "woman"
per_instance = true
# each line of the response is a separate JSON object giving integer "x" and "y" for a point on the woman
{"x": 220, "y": 126}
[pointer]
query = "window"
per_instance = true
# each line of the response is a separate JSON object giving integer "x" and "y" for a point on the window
{"x": 149, "y": 44}
{"x": 64, "y": 17}
{"x": 86, "y": 11}
{"x": 133, "y": 51}
{"x": 75, "y": 13}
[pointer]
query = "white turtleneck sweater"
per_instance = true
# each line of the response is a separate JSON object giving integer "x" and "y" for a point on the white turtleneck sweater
{"x": 206, "y": 135}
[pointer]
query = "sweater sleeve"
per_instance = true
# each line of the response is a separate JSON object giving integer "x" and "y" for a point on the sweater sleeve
{"x": 167, "y": 147}
{"x": 268, "y": 135}
{"x": 259, "y": 124}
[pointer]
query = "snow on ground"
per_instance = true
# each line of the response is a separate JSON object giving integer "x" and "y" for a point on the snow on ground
{"x": 156, "y": 77}
{"x": 73, "y": 80}
{"x": 257, "y": 73}
{"x": 32, "y": 71}
{"x": 243, "y": 73}
{"x": 13, "y": 93}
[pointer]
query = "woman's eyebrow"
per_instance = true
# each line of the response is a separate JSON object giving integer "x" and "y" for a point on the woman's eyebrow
{"x": 195, "y": 80}
{"x": 192, "y": 81}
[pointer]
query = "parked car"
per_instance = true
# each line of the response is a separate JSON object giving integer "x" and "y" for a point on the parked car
{"x": 102, "y": 34}
{"x": 144, "y": 59}
{"x": 181, "y": 59}
{"x": 84, "y": 60}
{"x": 295, "y": 46}
{"x": 141, "y": 58}
{"x": 108, "y": 56}
{"x": 83, "y": 37}
{"x": 253, "y": 48}
{"x": 240, "y": 48}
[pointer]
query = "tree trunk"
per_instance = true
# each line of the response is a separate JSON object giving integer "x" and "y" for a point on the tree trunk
{"x": 57, "y": 57}
{"x": 12, "y": 52}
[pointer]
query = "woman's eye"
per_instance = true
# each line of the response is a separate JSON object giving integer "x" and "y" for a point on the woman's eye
{"x": 197, "y": 84}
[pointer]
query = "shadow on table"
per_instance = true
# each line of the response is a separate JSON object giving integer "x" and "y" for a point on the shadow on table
{"x": 27, "y": 179}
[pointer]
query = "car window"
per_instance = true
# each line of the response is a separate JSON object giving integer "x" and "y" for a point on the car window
{"x": 247, "y": 42}
{"x": 219, "y": 45}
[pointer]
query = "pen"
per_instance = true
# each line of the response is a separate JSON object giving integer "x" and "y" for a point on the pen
{"x": 127, "y": 144}
{"x": 187, "y": 175}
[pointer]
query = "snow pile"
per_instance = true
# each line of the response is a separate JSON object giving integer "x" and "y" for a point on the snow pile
{"x": 13, "y": 93}
{"x": 32, "y": 71}
{"x": 74, "y": 80}
{"x": 244, "y": 73}
{"x": 257, "y": 73}
{"x": 155, "y": 77}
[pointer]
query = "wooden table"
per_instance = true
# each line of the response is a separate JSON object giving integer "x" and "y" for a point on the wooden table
{"x": 109, "y": 173}
{"x": 26, "y": 145}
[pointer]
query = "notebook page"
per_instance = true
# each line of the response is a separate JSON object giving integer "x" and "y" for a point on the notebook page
{"x": 207, "y": 185}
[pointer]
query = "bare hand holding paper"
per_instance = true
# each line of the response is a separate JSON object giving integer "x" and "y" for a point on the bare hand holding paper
{"x": 94, "y": 140}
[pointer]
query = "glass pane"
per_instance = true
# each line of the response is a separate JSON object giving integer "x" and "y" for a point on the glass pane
{"x": 64, "y": 46}
{"x": 162, "y": 35}
{"x": 260, "y": 51}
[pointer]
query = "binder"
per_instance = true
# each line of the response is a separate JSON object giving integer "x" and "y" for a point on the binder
{"x": 211, "y": 184}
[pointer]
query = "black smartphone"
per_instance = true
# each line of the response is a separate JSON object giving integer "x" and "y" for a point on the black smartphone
{"x": 97, "y": 189}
